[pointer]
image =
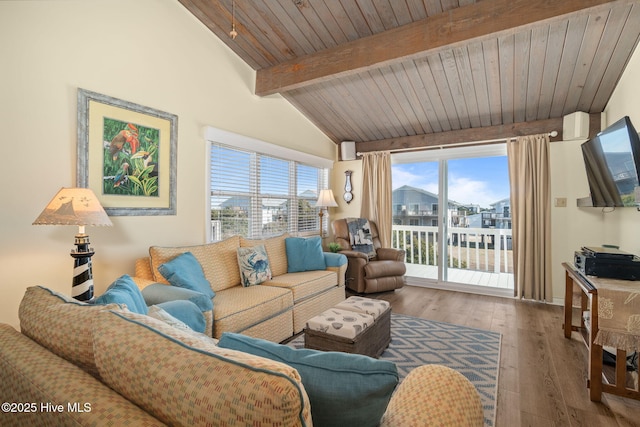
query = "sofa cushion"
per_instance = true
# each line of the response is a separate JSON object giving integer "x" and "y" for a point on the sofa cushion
{"x": 184, "y": 271}
{"x": 61, "y": 324}
{"x": 31, "y": 373}
{"x": 185, "y": 335}
{"x": 238, "y": 309}
{"x": 124, "y": 291}
{"x": 254, "y": 265}
{"x": 276, "y": 251}
{"x": 306, "y": 284}
{"x": 195, "y": 385}
{"x": 304, "y": 254}
{"x": 218, "y": 261}
{"x": 344, "y": 389}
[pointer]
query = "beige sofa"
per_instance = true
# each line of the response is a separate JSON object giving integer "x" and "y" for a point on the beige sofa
{"x": 76, "y": 364}
{"x": 274, "y": 310}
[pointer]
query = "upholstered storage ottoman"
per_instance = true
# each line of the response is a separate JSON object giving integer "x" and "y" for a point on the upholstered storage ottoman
{"x": 356, "y": 325}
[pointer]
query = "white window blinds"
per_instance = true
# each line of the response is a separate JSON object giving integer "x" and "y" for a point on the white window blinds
{"x": 258, "y": 195}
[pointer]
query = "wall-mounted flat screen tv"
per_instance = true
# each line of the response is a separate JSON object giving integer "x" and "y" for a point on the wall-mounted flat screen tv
{"x": 612, "y": 161}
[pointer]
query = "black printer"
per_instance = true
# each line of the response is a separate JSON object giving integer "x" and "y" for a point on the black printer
{"x": 607, "y": 262}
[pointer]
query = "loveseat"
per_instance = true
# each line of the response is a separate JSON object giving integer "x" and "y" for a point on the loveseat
{"x": 76, "y": 364}
{"x": 305, "y": 282}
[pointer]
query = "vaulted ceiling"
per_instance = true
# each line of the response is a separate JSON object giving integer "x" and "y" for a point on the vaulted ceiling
{"x": 392, "y": 74}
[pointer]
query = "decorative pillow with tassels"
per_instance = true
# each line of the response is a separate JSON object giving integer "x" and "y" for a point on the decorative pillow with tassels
{"x": 360, "y": 236}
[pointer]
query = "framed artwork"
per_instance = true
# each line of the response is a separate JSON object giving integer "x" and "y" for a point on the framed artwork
{"x": 127, "y": 155}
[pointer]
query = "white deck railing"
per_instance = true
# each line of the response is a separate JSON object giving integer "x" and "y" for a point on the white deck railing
{"x": 480, "y": 249}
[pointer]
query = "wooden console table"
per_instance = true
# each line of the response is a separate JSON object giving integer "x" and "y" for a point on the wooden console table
{"x": 589, "y": 331}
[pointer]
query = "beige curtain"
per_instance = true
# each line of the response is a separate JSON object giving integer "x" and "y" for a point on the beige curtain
{"x": 376, "y": 193}
{"x": 531, "y": 216}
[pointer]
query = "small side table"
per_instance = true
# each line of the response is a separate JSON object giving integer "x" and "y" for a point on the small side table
{"x": 588, "y": 331}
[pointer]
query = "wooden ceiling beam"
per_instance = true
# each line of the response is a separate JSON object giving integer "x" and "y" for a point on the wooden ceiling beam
{"x": 464, "y": 136}
{"x": 472, "y": 22}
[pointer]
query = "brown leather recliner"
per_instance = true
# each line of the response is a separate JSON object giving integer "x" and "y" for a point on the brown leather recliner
{"x": 384, "y": 272}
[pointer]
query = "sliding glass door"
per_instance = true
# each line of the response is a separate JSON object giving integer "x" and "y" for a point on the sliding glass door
{"x": 452, "y": 216}
{"x": 416, "y": 216}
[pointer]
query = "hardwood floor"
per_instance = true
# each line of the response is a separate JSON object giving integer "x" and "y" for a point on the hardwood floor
{"x": 542, "y": 379}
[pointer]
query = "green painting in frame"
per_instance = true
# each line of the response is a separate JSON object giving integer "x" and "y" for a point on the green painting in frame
{"x": 127, "y": 155}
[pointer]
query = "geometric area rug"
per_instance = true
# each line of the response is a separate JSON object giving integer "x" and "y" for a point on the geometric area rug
{"x": 475, "y": 353}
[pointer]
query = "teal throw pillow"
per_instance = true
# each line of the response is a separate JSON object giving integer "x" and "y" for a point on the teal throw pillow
{"x": 157, "y": 293}
{"x": 184, "y": 311}
{"x": 124, "y": 291}
{"x": 254, "y": 265}
{"x": 344, "y": 389}
{"x": 304, "y": 254}
{"x": 184, "y": 271}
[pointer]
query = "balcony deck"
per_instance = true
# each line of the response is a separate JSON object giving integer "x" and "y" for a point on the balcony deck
{"x": 464, "y": 276}
{"x": 485, "y": 253}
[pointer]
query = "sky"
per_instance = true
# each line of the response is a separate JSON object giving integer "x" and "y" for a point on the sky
{"x": 480, "y": 181}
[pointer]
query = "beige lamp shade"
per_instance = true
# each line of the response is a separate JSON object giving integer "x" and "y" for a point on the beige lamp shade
{"x": 326, "y": 199}
{"x": 74, "y": 206}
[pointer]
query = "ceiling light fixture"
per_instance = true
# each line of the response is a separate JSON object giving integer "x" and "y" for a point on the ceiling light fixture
{"x": 233, "y": 33}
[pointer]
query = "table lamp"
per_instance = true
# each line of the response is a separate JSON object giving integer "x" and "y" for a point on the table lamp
{"x": 325, "y": 200}
{"x": 77, "y": 206}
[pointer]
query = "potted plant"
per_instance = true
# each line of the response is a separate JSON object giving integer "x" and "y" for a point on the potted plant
{"x": 334, "y": 247}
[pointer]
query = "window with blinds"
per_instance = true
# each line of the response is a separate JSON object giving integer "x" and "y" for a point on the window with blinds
{"x": 257, "y": 195}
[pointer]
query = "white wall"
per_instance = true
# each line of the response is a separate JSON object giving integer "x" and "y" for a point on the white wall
{"x": 623, "y": 225}
{"x": 571, "y": 227}
{"x": 574, "y": 227}
{"x": 150, "y": 52}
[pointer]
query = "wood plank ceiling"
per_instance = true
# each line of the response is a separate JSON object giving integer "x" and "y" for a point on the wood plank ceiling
{"x": 392, "y": 74}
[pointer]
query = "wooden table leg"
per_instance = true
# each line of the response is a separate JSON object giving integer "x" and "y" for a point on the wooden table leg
{"x": 595, "y": 373}
{"x": 568, "y": 305}
{"x": 595, "y": 354}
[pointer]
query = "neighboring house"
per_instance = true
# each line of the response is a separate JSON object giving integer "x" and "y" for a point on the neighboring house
{"x": 416, "y": 207}
{"x": 499, "y": 216}
{"x": 272, "y": 209}
{"x": 309, "y": 194}
{"x": 274, "y": 214}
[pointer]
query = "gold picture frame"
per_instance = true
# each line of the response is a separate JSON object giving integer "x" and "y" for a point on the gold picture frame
{"x": 127, "y": 154}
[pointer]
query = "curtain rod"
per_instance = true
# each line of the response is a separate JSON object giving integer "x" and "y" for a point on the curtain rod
{"x": 552, "y": 134}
